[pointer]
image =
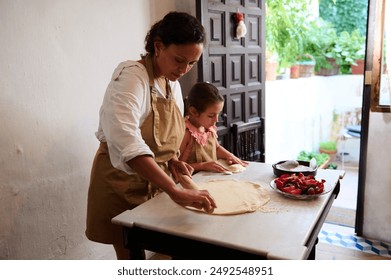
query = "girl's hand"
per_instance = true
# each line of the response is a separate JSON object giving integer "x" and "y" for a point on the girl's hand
{"x": 213, "y": 166}
{"x": 231, "y": 159}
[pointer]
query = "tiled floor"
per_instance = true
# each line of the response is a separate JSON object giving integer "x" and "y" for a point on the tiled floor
{"x": 337, "y": 239}
{"x": 341, "y": 243}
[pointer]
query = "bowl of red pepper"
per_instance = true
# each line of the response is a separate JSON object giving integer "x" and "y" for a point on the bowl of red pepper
{"x": 300, "y": 186}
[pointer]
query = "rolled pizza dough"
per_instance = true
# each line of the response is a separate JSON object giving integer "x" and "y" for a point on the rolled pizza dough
{"x": 234, "y": 168}
{"x": 234, "y": 196}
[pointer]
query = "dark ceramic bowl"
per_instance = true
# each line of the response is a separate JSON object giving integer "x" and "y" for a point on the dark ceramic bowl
{"x": 278, "y": 171}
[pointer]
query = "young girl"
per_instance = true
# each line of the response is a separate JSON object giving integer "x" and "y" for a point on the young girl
{"x": 200, "y": 147}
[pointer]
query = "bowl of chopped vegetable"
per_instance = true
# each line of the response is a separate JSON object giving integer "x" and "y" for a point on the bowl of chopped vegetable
{"x": 300, "y": 186}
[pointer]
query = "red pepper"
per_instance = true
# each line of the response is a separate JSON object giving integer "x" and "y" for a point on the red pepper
{"x": 296, "y": 191}
{"x": 311, "y": 191}
{"x": 300, "y": 184}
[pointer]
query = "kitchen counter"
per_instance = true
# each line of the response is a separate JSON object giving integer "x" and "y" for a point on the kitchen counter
{"x": 285, "y": 229}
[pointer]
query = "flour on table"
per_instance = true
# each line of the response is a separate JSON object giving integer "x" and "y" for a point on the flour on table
{"x": 234, "y": 196}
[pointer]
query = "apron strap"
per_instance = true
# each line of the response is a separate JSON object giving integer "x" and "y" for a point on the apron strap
{"x": 168, "y": 89}
{"x": 153, "y": 90}
{"x": 198, "y": 154}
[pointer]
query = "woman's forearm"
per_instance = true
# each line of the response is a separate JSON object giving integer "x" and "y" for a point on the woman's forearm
{"x": 146, "y": 167}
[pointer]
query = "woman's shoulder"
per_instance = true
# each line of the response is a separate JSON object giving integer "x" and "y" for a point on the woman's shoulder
{"x": 130, "y": 67}
{"x": 130, "y": 76}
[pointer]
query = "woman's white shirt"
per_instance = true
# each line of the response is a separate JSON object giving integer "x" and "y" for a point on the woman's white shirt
{"x": 126, "y": 104}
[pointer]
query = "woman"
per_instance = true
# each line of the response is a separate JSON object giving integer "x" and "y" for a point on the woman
{"x": 141, "y": 128}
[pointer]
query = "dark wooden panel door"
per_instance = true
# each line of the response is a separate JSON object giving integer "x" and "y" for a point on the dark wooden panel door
{"x": 234, "y": 66}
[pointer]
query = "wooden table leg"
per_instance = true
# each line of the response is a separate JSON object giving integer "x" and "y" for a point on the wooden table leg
{"x": 136, "y": 252}
{"x": 312, "y": 254}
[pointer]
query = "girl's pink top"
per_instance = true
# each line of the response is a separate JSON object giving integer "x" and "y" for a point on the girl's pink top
{"x": 199, "y": 134}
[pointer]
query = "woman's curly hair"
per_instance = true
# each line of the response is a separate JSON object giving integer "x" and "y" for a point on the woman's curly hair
{"x": 175, "y": 28}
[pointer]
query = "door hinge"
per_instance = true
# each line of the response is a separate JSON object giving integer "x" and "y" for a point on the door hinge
{"x": 368, "y": 78}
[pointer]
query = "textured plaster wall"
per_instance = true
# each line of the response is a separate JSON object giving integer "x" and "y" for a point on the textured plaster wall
{"x": 56, "y": 59}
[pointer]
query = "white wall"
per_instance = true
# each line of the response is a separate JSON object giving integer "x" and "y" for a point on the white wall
{"x": 56, "y": 59}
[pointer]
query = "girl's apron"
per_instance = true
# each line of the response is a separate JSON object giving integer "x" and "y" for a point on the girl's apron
{"x": 113, "y": 191}
{"x": 201, "y": 153}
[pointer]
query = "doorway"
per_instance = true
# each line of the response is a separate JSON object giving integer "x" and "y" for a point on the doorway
{"x": 301, "y": 113}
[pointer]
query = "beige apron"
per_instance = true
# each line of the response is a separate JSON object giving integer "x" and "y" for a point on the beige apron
{"x": 113, "y": 191}
{"x": 201, "y": 153}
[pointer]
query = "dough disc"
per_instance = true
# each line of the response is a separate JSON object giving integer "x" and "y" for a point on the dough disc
{"x": 234, "y": 168}
{"x": 234, "y": 197}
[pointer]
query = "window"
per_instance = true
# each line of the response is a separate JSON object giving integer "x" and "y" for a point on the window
{"x": 379, "y": 55}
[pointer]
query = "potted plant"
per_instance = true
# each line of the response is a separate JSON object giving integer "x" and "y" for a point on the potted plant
{"x": 328, "y": 147}
{"x": 306, "y": 64}
{"x": 271, "y": 66}
{"x": 348, "y": 49}
{"x": 358, "y": 67}
{"x": 331, "y": 69}
{"x": 320, "y": 43}
{"x": 285, "y": 28}
{"x": 295, "y": 71}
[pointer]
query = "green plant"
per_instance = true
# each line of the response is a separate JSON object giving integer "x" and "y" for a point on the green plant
{"x": 332, "y": 166}
{"x": 324, "y": 43}
{"x": 305, "y": 59}
{"x": 320, "y": 43}
{"x": 286, "y": 23}
{"x": 320, "y": 158}
{"x": 345, "y": 15}
{"x": 291, "y": 32}
{"x": 349, "y": 48}
{"x": 328, "y": 145}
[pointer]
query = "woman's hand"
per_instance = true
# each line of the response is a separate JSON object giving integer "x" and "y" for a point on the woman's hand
{"x": 200, "y": 199}
{"x": 177, "y": 167}
{"x": 147, "y": 167}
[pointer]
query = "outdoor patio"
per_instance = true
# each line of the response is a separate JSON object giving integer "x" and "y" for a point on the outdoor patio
{"x": 299, "y": 114}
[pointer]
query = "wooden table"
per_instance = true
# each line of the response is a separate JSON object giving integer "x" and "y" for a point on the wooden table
{"x": 287, "y": 230}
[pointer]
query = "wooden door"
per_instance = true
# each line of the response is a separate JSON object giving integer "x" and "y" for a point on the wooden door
{"x": 235, "y": 66}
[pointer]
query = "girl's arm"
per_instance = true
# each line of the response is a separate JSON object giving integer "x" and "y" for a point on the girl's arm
{"x": 186, "y": 147}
